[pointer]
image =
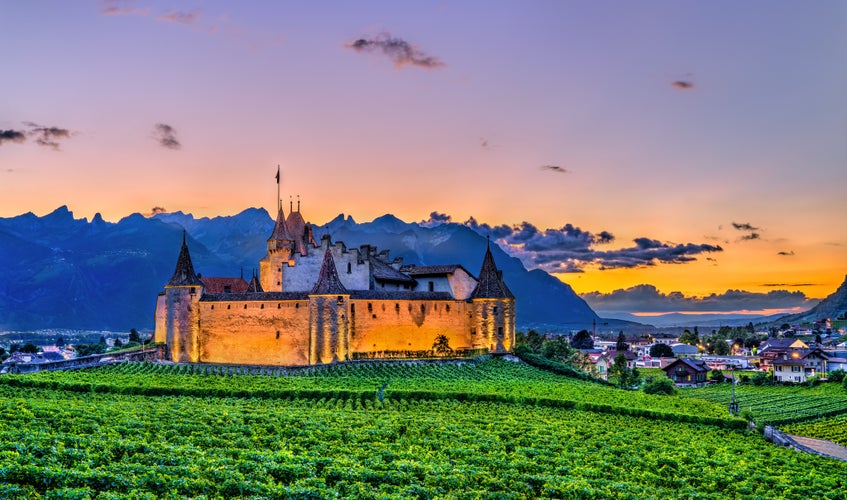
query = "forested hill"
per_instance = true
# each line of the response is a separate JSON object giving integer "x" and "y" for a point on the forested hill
{"x": 62, "y": 272}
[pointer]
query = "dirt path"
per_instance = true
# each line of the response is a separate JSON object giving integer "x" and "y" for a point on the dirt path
{"x": 825, "y": 447}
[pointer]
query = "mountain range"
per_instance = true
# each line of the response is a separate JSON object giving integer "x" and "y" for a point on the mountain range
{"x": 62, "y": 272}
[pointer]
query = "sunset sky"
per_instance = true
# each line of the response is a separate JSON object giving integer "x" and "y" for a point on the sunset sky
{"x": 645, "y": 147}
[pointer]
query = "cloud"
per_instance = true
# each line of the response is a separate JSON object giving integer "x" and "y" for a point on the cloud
{"x": 435, "y": 219}
{"x": 12, "y": 136}
{"x": 401, "y": 52}
{"x": 47, "y": 136}
{"x": 774, "y": 285}
{"x": 744, "y": 226}
{"x": 121, "y": 8}
{"x": 555, "y": 168}
{"x": 786, "y": 253}
{"x": 751, "y": 236}
{"x": 180, "y": 17}
{"x": 647, "y": 298}
{"x": 166, "y": 136}
{"x": 683, "y": 84}
{"x": 570, "y": 249}
{"x": 158, "y": 210}
{"x": 483, "y": 142}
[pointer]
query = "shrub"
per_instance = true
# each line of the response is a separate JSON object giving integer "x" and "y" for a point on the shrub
{"x": 660, "y": 385}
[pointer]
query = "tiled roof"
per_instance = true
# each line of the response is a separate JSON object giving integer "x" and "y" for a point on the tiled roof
{"x": 184, "y": 273}
{"x": 490, "y": 285}
{"x": 218, "y": 285}
{"x": 328, "y": 281}
{"x": 280, "y": 231}
{"x": 297, "y": 228}
{"x": 384, "y": 272}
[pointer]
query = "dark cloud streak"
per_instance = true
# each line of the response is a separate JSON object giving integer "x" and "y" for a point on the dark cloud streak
{"x": 555, "y": 168}
{"x": 683, "y": 85}
{"x": 401, "y": 52}
{"x": 12, "y": 136}
{"x": 166, "y": 136}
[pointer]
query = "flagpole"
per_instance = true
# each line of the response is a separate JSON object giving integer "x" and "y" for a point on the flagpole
{"x": 278, "y": 196}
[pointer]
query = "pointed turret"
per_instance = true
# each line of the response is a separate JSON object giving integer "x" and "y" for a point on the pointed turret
{"x": 490, "y": 285}
{"x": 280, "y": 232}
{"x": 328, "y": 281}
{"x": 184, "y": 273}
{"x": 254, "y": 286}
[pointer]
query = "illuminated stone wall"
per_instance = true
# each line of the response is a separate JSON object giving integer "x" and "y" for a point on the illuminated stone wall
{"x": 255, "y": 332}
{"x": 494, "y": 324}
{"x": 408, "y": 325}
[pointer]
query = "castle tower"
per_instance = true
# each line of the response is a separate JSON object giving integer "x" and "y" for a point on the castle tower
{"x": 493, "y": 324}
{"x": 280, "y": 249}
{"x": 182, "y": 311}
{"x": 329, "y": 316}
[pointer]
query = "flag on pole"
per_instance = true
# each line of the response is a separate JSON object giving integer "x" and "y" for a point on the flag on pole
{"x": 277, "y": 174}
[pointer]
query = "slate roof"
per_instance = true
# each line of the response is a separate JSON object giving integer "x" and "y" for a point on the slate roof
{"x": 254, "y": 286}
{"x": 328, "y": 281}
{"x": 399, "y": 295}
{"x": 184, "y": 273}
{"x": 413, "y": 270}
{"x": 218, "y": 285}
{"x": 490, "y": 285}
{"x": 383, "y": 271}
{"x": 249, "y": 296}
{"x": 698, "y": 365}
{"x": 297, "y": 228}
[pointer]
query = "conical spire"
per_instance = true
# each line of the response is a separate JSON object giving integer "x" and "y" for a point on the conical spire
{"x": 328, "y": 281}
{"x": 281, "y": 232}
{"x": 254, "y": 286}
{"x": 490, "y": 285}
{"x": 184, "y": 272}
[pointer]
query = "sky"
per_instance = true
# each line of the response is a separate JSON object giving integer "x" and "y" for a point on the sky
{"x": 657, "y": 156}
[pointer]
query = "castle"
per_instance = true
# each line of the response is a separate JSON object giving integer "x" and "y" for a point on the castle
{"x": 317, "y": 303}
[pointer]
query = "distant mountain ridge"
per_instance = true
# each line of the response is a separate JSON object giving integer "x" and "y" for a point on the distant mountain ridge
{"x": 832, "y": 307}
{"x": 61, "y": 272}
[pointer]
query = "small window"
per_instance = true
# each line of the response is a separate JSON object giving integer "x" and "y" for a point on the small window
{"x": 277, "y": 334}
{"x": 228, "y": 289}
{"x": 245, "y": 306}
{"x": 423, "y": 308}
{"x": 297, "y": 305}
{"x": 279, "y": 305}
{"x": 349, "y": 267}
{"x": 397, "y": 307}
{"x": 228, "y": 306}
{"x": 495, "y": 309}
{"x": 352, "y": 309}
{"x": 431, "y": 286}
{"x": 370, "y": 307}
{"x": 340, "y": 299}
{"x": 447, "y": 307}
{"x": 262, "y": 306}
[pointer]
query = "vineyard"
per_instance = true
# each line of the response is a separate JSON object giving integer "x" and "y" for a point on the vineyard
{"x": 471, "y": 429}
{"x": 832, "y": 429}
{"x": 485, "y": 379}
{"x": 777, "y": 405}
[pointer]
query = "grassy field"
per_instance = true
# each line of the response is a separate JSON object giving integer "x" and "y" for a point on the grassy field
{"x": 485, "y": 429}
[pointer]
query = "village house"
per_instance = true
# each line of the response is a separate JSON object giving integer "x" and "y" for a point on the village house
{"x": 601, "y": 363}
{"x": 773, "y": 348}
{"x": 797, "y": 365}
{"x": 687, "y": 372}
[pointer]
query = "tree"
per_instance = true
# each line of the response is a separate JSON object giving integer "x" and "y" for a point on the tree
{"x": 441, "y": 346}
{"x": 627, "y": 378}
{"x": 60, "y": 341}
{"x": 661, "y": 351}
{"x": 660, "y": 385}
{"x": 102, "y": 339}
{"x": 621, "y": 344}
{"x": 582, "y": 340}
{"x": 556, "y": 348}
{"x": 688, "y": 338}
{"x": 721, "y": 348}
{"x": 133, "y": 336}
{"x": 29, "y": 348}
{"x": 716, "y": 375}
{"x": 118, "y": 343}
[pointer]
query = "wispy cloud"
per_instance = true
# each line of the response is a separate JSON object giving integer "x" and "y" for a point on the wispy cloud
{"x": 158, "y": 210}
{"x": 555, "y": 168}
{"x": 47, "y": 136}
{"x": 401, "y": 52}
{"x": 122, "y": 8}
{"x": 682, "y": 84}
{"x": 12, "y": 136}
{"x": 435, "y": 219}
{"x": 744, "y": 226}
{"x": 788, "y": 253}
{"x": 166, "y": 136}
{"x": 647, "y": 298}
{"x": 180, "y": 17}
